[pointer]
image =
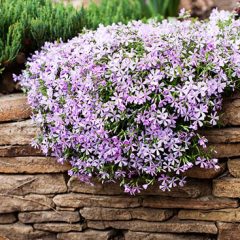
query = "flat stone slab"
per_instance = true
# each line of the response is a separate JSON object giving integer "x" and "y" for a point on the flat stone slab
{"x": 224, "y": 150}
{"x": 31, "y": 202}
{"x": 19, "y": 151}
{"x": 25, "y": 184}
{"x": 20, "y": 231}
{"x": 18, "y": 133}
{"x": 228, "y": 231}
{"x": 192, "y": 189}
{"x": 7, "y": 218}
{"x": 31, "y": 165}
{"x": 231, "y": 112}
{"x": 162, "y": 236}
{"x": 86, "y": 235}
{"x": 223, "y": 215}
{"x": 14, "y": 107}
{"x": 172, "y": 226}
{"x": 226, "y": 187}
{"x": 202, "y": 173}
{"x": 147, "y": 214}
{"x": 59, "y": 227}
{"x": 224, "y": 135}
{"x": 207, "y": 202}
{"x": 78, "y": 200}
{"x": 49, "y": 216}
{"x": 234, "y": 167}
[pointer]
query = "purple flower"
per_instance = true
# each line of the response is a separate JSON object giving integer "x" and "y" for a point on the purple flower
{"x": 125, "y": 102}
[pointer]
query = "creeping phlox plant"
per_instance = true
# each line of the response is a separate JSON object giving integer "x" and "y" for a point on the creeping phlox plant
{"x": 124, "y": 103}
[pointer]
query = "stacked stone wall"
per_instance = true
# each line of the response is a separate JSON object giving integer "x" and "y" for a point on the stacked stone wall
{"x": 38, "y": 200}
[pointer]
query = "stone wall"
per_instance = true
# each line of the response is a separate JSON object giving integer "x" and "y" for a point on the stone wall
{"x": 39, "y": 201}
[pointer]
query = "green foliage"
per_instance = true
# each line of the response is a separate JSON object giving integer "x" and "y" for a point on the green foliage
{"x": 109, "y": 11}
{"x": 163, "y": 8}
{"x": 26, "y": 25}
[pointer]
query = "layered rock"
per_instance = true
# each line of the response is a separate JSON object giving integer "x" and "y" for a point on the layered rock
{"x": 39, "y": 201}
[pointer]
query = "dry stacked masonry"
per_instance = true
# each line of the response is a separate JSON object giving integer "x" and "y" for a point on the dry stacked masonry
{"x": 39, "y": 201}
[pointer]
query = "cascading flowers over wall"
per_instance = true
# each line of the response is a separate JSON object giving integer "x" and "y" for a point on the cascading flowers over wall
{"x": 124, "y": 103}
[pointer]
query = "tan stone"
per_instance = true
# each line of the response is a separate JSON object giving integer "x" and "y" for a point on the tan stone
{"x": 226, "y": 5}
{"x": 7, "y": 218}
{"x": 49, "y": 216}
{"x": 147, "y": 214}
{"x": 20, "y": 231}
{"x": 202, "y": 173}
{"x": 207, "y": 202}
{"x": 172, "y": 226}
{"x": 224, "y": 150}
{"x": 26, "y": 184}
{"x": 224, "y": 215}
{"x": 161, "y": 236}
{"x": 65, "y": 209}
{"x": 59, "y": 227}
{"x": 14, "y": 107}
{"x": 75, "y": 185}
{"x": 200, "y": 8}
{"x": 17, "y": 133}
{"x": 86, "y": 235}
{"x": 224, "y": 135}
{"x": 31, "y": 202}
{"x": 18, "y": 151}
{"x": 231, "y": 112}
{"x": 31, "y": 165}
{"x": 3, "y": 238}
{"x": 85, "y": 200}
{"x": 228, "y": 231}
{"x": 226, "y": 187}
{"x": 191, "y": 189}
{"x": 234, "y": 167}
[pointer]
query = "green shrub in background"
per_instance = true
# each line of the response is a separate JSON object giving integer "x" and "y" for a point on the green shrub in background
{"x": 165, "y": 8}
{"x": 110, "y": 11}
{"x": 26, "y": 24}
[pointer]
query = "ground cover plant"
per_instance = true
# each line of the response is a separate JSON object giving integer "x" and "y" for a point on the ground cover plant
{"x": 124, "y": 103}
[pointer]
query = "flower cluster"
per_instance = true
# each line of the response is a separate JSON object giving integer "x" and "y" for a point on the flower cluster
{"x": 124, "y": 103}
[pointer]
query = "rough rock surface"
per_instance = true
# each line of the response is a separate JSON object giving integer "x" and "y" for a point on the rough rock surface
{"x": 39, "y": 201}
